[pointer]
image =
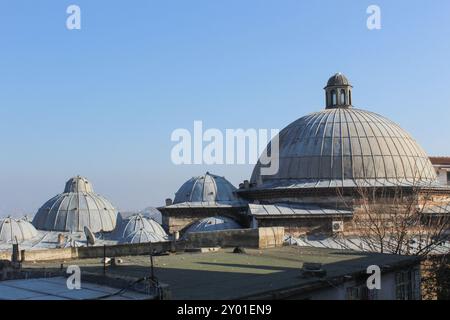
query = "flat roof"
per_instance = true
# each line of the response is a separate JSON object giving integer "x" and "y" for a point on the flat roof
{"x": 227, "y": 275}
{"x": 56, "y": 289}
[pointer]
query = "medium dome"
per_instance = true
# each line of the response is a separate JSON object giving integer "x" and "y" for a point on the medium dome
{"x": 345, "y": 146}
{"x": 12, "y": 230}
{"x": 206, "y": 188}
{"x": 76, "y": 208}
{"x": 139, "y": 229}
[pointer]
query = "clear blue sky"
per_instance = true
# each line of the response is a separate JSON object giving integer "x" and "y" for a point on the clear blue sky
{"x": 103, "y": 101}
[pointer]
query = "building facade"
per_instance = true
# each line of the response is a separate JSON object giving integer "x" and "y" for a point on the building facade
{"x": 327, "y": 160}
{"x": 442, "y": 167}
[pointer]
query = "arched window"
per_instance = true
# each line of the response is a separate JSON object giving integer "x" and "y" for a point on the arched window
{"x": 333, "y": 98}
{"x": 342, "y": 96}
{"x": 350, "y": 97}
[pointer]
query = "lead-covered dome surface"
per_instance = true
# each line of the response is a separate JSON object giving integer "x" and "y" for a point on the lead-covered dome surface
{"x": 76, "y": 208}
{"x": 12, "y": 230}
{"x": 346, "y": 147}
{"x": 207, "y": 188}
{"x": 212, "y": 224}
{"x": 139, "y": 229}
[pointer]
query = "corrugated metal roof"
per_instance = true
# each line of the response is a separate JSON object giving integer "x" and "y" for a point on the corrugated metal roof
{"x": 208, "y": 204}
{"x": 356, "y": 244}
{"x": 56, "y": 289}
{"x": 296, "y": 209}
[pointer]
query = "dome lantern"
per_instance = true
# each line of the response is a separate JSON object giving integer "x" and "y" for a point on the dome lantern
{"x": 78, "y": 184}
{"x": 338, "y": 92}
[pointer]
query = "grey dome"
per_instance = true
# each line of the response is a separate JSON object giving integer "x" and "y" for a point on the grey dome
{"x": 12, "y": 230}
{"x": 139, "y": 229}
{"x": 338, "y": 79}
{"x": 213, "y": 224}
{"x": 207, "y": 188}
{"x": 78, "y": 184}
{"x": 346, "y": 147}
{"x": 76, "y": 208}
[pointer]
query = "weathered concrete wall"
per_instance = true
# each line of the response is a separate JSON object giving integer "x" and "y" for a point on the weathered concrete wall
{"x": 250, "y": 238}
{"x": 48, "y": 254}
{"x": 5, "y": 255}
{"x": 270, "y": 237}
{"x": 122, "y": 250}
{"x": 94, "y": 252}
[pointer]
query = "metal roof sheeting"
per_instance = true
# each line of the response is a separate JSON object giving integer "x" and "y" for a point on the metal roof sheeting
{"x": 76, "y": 208}
{"x": 358, "y": 244}
{"x": 346, "y": 147}
{"x": 291, "y": 209}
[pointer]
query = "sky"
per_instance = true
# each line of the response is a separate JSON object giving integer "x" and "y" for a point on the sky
{"x": 104, "y": 100}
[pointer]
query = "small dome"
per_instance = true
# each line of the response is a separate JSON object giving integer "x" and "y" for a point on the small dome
{"x": 76, "y": 208}
{"x": 207, "y": 188}
{"x": 213, "y": 224}
{"x": 139, "y": 229}
{"x": 338, "y": 79}
{"x": 12, "y": 230}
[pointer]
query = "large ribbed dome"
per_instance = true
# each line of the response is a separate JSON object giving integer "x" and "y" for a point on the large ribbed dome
{"x": 345, "y": 146}
{"x": 12, "y": 230}
{"x": 76, "y": 208}
{"x": 206, "y": 188}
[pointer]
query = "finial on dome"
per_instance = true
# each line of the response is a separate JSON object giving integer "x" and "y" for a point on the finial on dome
{"x": 338, "y": 92}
